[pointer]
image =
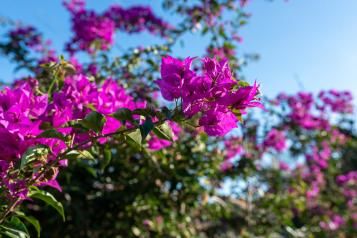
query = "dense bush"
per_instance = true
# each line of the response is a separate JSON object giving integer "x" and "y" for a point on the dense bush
{"x": 145, "y": 144}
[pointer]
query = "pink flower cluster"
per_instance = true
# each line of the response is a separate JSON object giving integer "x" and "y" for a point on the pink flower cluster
{"x": 276, "y": 140}
{"x": 89, "y": 28}
{"x": 335, "y": 222}
{"x": 317, "y": 160}
{"x": 346, "y": 178}
{"x": 313, "y": 114}
{"x": 20, "y": 119}
{"x": 243, "y": 3}
{"x": 27, "y": 34}
{"x": 95, "y": 31}
{"x": 302, "y": 111}
{"x": 310, "y": 114}
{"x": 210, "y": 14}
{"x": 348, "y": 182}
{"x": 337, "y": 101}
{"x": 204, "y": 12}
{"x": 233, "y": 147}
{"x": 214, "y": 93}
{"x": 78, "y": 93}
{"x": 221, "y": 52}
{"x": 20, "y": 112}
{"x": 23, "y": 113}
{"x": 25, "y": 42}
{"x": 137, "y": 19}
{"x": 319, "y": 156}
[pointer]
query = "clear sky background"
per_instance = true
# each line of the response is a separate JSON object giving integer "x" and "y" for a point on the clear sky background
{"x": 303, "y": 44}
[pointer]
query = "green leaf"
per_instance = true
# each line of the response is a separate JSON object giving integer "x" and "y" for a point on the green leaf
{"x": 242, "y": 22}
{"x": 151, "y": 63}
{"x": 14, "y": 228}
{"x": 242, "y": 83}
{"x": 12, "y": 233}
{"x": 45, "y": 126}
{"x": 123, "y": 114}
{"x": 94, "y": 121}
{"x": 145, "y": 111}
{"x": 107, "y": 158}
{"x": 221, "y": 32}
{"x": 79, "y": 154}
{"x": 32, "y": 154}
{"x": 134, "y": 138}
{"x": 48, "y": 199}
{"x": 52, "y": 133}
{"x": 91, "y": 106}
{"x": 238, "y": 114}
{"x": 164, "y": 131}
{"x": 146, "y": 127}
{"x": 228, "y": 45}
{"x": 33, "y": 221}
{"x": 204, "y": 30}
{"x": 167, "y": 112}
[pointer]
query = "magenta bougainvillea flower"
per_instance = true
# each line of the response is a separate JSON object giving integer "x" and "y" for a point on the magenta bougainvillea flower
{"x": 333, "y": 224}
{"x": 312, "y": 114}
{"x": 173, "y": 75}
{"x": 214, "y": 93}
{"x": 10, "y": 145}
{"x": 22, "y": 112}
{"x": 233, "y": 147}
{"x": 92, "y": 31}
{"x": 336, "y": 101}
{"x": 276, "y": 140}
{"x": 20, "y": 118}
{"x": 348, "y": 182}
{"x": 29, "y": 34}
{"x": 218, "y": 122}
{"x": 95, "y": 31}
{"x": 221, "y": 52}
{"x": 137, "y": 19}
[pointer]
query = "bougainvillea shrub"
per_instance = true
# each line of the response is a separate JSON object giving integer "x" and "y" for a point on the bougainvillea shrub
{"x": 148, "y": 144}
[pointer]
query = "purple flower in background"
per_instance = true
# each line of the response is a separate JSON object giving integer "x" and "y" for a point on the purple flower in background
{"x": 284, "y": 166}
{"x": 335, "y": 222}
{"x": 233, "y": 147}
{"x": 91, "y": 32}
{"x": 348, "y": 183}
{"x": 95, "y": 31}
{"x": 337, "y": 101}
{"x": 137, "y": 19}
{"x": 221, "y": 52}
{"x": 243, "y": 3}
{"x": 276, "y": 140}
{"x": 226, "y": 165}
{"x": 28, "y": 34}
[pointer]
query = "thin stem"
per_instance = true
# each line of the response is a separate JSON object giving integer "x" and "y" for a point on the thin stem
{"x": 10, "y": 209}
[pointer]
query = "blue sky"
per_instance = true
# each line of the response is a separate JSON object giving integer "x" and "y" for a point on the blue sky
{"x": 303, "y": 44}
